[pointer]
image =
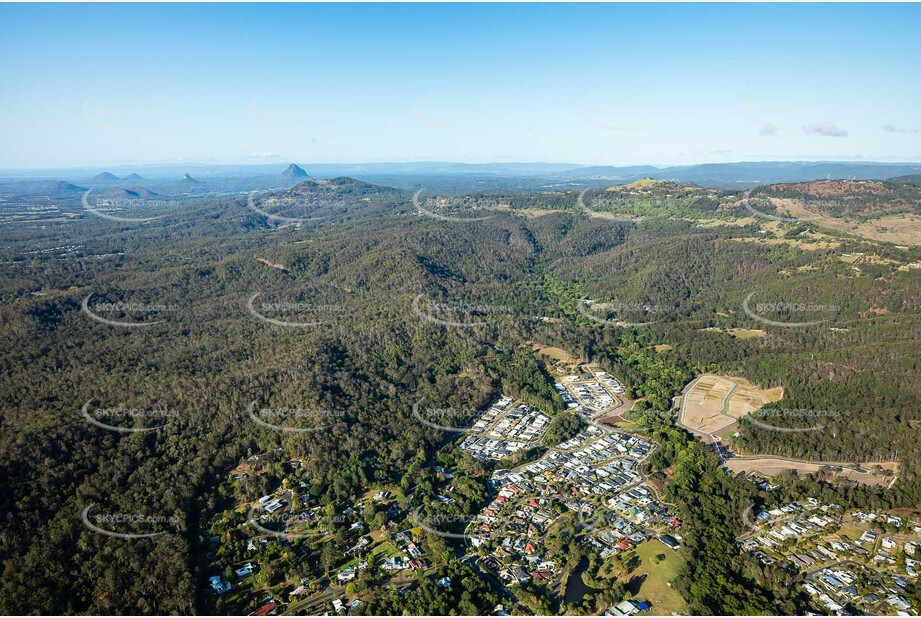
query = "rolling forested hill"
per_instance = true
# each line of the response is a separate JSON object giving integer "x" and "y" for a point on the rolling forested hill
{"x": 379, "y": 279}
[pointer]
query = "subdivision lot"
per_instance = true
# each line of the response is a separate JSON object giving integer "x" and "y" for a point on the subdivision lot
{"x": 714, "y": 403}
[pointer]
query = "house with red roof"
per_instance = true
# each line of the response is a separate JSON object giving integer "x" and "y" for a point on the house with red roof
{"x": 265, "y": 609}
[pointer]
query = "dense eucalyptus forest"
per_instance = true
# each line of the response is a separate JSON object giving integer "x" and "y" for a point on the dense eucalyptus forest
{"x": 403, "y": 307}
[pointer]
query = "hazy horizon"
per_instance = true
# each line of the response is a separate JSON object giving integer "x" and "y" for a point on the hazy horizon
{"x": 281, "y": 165}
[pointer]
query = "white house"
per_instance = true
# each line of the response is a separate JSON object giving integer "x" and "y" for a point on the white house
{"x": 219, "y": 585}
{"x": 246, "y": 569}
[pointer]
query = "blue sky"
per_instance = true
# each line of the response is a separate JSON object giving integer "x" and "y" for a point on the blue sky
{"x": 598, "y": 84}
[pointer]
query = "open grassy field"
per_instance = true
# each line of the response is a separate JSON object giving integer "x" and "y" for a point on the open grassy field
{"x": 557, "y": 354}
{"x": 272, "y": 264}
{"x": 655, "y": 586}
{"x": 738, "y": 333}
{"x": 902, "y": 229}
{"x": 610, "y": 216}
{"x": 525, "y": 212}
{"x": 850, "y": 532}
{"x": 805, "y": 245}
{"x": 714, "y": 403}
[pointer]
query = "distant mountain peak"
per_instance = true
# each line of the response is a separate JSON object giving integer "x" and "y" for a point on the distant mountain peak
{"x": 104, "y": 177}
{"x": 293, "y": 171}
{"x": 133, "y": 176}
{"x": 67, "y": 186}
{"x": 130, "y": 192}
{"x": 188, "y": 178}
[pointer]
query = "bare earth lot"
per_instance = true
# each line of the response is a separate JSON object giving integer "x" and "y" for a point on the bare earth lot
{"x": 772, "y": 466}
{"x": 713, "y": 403}
{"x": 711, "y": 406}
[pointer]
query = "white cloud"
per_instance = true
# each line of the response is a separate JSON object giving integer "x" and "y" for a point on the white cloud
{"x": 891, "y": 128}
{"x": 825, "y": 129}
{"x": 769, "y": 129}
{"x": 267, "y": 156}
